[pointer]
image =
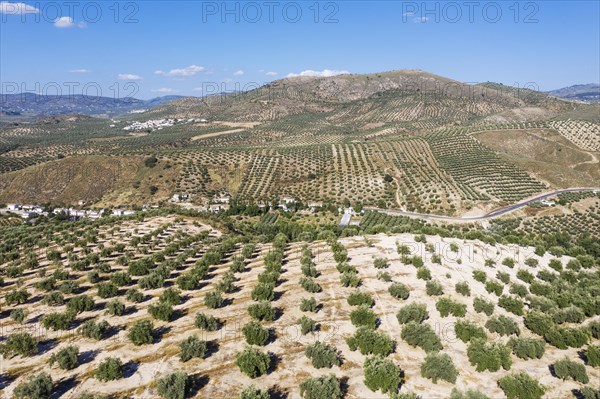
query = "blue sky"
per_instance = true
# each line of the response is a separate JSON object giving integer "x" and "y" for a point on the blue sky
{"x": 154, "y": 48}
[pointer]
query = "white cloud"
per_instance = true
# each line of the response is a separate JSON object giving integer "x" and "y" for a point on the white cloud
{"x": 129, "y": 76}
{"x": 325, "y": 73}
{"x": 164, "y": 90}
{"x": 182, "y": 72}
{"x": 198, "y": 89}
{"x": 9, "y": 8}
{"x": 67, "y": 22}
{"x": 271, "y": 74}
{"x": 408, "y": 14}
{"x": 238, "y": 73}
{"x": 79, "y": 71}
{"x": 421, "y": 20}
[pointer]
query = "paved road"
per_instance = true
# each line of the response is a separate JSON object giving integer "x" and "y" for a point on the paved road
{"x": 491, "y": 215}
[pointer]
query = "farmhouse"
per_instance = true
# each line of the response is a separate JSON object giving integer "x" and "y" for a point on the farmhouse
{"x": 547, "y": 202}
{"x": 346, "y": 218}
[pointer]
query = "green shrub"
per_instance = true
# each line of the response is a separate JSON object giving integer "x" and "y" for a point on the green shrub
{"x": 480, "y": 275}
{"x": 594, "y": 328}
{"x": 322, "y": 355}
{"x": 54, "y": 298}
{"x": 134, "y": 295}
{"x": 350, "y": 279}
{"x": 370, "y": 342}
{"x": 110, "y": 369}
{"x": 382, "y": 374}
{"x": 121, "y": 279}
{"x": 308, "y": 305}
{"x": 502, "y": 325}
{"x": 175, "y": 385}
{"x": 482, "y": 306}
{"x": 187, "y": 281}
{"x": 262, "y": 311}
{"x": 263, "y": 292}
{"x": 58, "y": 321}
{"x": 161, "y": 311}
{"x": 424, "y": 273}
{"x": 307, "y": 325}
{"x": 171, "y": 296}
{"x": 95, "y": 330}
{"x": 192, "y": 347}
{"x": 439, "y": 366}
{"x": 67, "y": 358}
{"x": 504, "y": 277}
{"x": 592, "y": 355}
{"x": 310, "y": 285}
{"x": 488, "y": 356}
{"x": 421, "y": 335}
{"x": 572, "y": 314}
{"x": 81, "y": 303}
{"x": 17, "y": 315}
{"x": 567, "y": 369}
{"x": 466, "y": 331}
{"x": 434, "y": 288}
{"x": 417, "y": 261}
{"x": 524, "y": 275}
{"x": 152, "y": 281}
{"x": 213, "y": 300}
{"x": 255, "y": 333}
{"x": 519, "y": 290}
{"x": 381, "y": 263}
{"x": 538, "y": 322}
{"x": 37, "y": 386}
{"x": 463, "y": 288}
{"x": 253, "y": 362}
{"x": 399, "y": 291}
{"x": 447, "y": 306}
{"x": 509, "y": 262}
{"x": 115, "y": 308}
{"x": 252, "y": 392}
{"x": 556, "y": 264}
{"x": 326, "y": 386}
{"x": 511, "y": 304}
{"x": 206, "y": 322}
{"x": 141, "y": 332}
{"x": 107, "y": 290}
{"x": 532, "y": 262}
{"x": 19, "y": 344}
{"x": 567, "y": 337}
{"x": 416, "y": 312}
{"x": 527, "y": 348}
{"x": 589, "y": 393}
{"x": 358, "y": 297}
{"x": 521, "y": 386}
{"x": 493, "y": 286}
{"x": 384, "y": 276}
{"x": 468, "y": 394}
{"x": 18, "y": 297}
{"x": 363, "y": 316}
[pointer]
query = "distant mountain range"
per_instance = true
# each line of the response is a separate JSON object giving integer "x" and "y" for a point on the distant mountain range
{"x": 29, "y": 104}
{"x": 587, "y": 92}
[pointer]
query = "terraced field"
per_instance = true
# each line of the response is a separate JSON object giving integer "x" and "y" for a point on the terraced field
{"x": 165, "y": 294}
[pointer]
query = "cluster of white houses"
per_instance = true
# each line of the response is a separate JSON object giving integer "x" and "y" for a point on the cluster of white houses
{"x": 32, "y": 211}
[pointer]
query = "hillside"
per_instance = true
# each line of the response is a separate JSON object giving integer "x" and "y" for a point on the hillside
{"x": 401, "y": 139}
{"x": 586, "y": 92}
{"x": 165, "y": 293}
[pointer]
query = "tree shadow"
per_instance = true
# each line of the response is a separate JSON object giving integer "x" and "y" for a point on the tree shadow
{"x": 552, "y": 371}
{"x": 197, "y": 382}
{"x": 88, "y": 356}
{"x": 46, "y": 346}
{"x": 277, "y": 392}
{"x": 212, "y": 347}
{"x": 63, "y": 387}
{"x": 275, "y": 362}
{"x": 130, "y": 369}
{"x": 6, "y": 380}
{"x": 159, "y": 332}
{"x": 344, "y": 385}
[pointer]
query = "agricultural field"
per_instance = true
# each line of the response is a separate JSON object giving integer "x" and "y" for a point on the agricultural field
{"x": 153, "y": 304}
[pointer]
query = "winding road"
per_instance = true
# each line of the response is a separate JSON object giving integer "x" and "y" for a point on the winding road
{"x": 491, "y": 215}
